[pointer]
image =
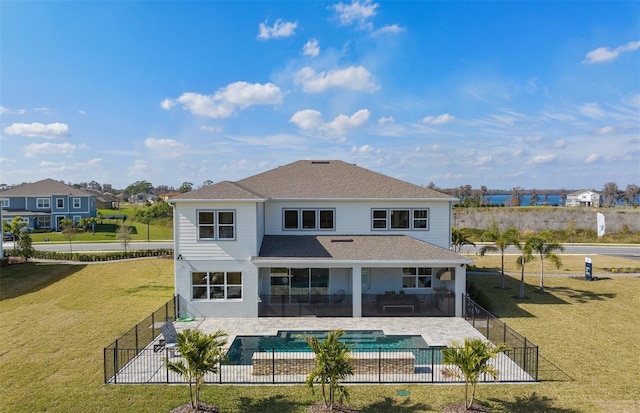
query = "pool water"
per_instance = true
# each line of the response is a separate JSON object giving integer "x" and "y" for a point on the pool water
{"x": 243, "y": 347}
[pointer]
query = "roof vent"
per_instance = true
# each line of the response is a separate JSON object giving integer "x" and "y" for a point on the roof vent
{"x": 320, "y": 162}
{"x": 342, "y": 240}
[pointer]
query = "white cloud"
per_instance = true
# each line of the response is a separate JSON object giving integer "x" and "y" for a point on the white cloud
{"x": 604, "y": 54}
{"x": 362, "y": 150}
{"x": 592, "y": 158}
{"x": 352, "y": 78}
{"x": 312, "y": 120}
{"x": 311, "y": 48}
{"x": 438, "y": 120}
{"x": 559, "y": 144}
{"x": 210, "y": 128}
{"x": 592, "y": 110}
{"x": 34, "y": 149}
{"x": 139, "y": 166}
{"x": 388, "y": 30}
{"x": 8, "y": 111}
{"x": 225, "y": 101}
{"x": 163, "y": 144}
{"x": 358, "y": 12}
{"x": 280, "y": 29}
{"x": 38, "y": 130}
{"x": 307, "y": 119}
{"x": 385, "y": 119}
{"x": 81, "y": 112}
{"x": 542, "y": 159}
{"x": 605, "y": 130}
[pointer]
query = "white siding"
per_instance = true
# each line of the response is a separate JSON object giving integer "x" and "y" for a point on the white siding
{"x": 354, "y": 218}
{"x": 242, "y": 248}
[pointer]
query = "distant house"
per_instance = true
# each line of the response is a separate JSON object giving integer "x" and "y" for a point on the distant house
{"x": 583, "y": 198}
{"x": 105, "y": 201}
{"x": 45, "y": 203}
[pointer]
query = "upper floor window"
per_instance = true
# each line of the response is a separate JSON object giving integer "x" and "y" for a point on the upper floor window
{"x": 416, "y": 277}
{"x": 43, "y": 203}
{"x": 310, "y": 219}
{"x": 410, "y": 219}
{"x": 216, "y": 225}
{"x": 216, "y": 285}
{"x": 4, "y": 203}
{"x": 76, "y": 202}
{"x": 60, "y": 203}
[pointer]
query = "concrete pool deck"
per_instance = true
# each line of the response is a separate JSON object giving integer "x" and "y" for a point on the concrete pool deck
{"x": 436, "y": 331}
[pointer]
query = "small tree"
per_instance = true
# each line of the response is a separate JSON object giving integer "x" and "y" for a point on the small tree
{"x": 124, "y": 235}
{"x": 200, "y": 354}
{"x": 25, "y": 249}
{"x": 524, "y": 257}
{"x": 69, "y": 231}
{"x": 331, "y": 366}
{"x": 501, "y": 241}
{"x": 468, "y": 361}
{"x": 17, "y": 226}
{"x": 544, "y": 246}
{"x": 459, "y": 238}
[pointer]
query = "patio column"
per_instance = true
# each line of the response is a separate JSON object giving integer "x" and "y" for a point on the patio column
{"x": 356, "y": 287}
{"x": 460, "y": 287}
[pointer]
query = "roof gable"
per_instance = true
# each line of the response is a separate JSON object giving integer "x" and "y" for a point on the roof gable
{"x": 224, "y": 190}
{"x": 45, "y": 187}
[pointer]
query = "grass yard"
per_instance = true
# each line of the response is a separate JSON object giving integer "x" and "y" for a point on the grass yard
{"x": 56, "y": 319}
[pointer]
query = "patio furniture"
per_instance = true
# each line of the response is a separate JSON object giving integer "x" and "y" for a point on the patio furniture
{"x": 169, "y": 340}
{"x": 396, "y": 301}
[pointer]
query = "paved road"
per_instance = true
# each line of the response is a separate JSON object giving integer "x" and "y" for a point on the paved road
{"x": 625, "y": 251}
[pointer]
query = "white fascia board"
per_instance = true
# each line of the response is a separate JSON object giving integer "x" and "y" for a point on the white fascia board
{"x": 362, "y": 199}
{"x": 193, "y": 201}
{"x": 350, "y": 263}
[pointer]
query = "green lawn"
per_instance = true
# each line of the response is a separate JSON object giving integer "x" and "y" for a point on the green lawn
{"x": 56, "y": 319}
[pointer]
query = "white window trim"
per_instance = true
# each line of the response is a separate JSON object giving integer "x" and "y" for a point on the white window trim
{"x": 79, "y": 201}
{"x": 411, "y": 219}
{"x": 417, "y": 275}
{"x": 58, "y": 201}
{"x": 225, "y": 285}
{"x": 46, "y": 201}
{"x": 216, "y": 225}
{"x": 4, "y": 203}
{"x": 317, "y": 211}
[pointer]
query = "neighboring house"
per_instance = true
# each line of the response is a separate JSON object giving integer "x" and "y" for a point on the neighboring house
{"x": 316, "y": 238}
{"x": 583, "y": 198}
{"x": 45, "y": 203}
{"x": 168, "y": 195}
{"x": 105, "y": 201}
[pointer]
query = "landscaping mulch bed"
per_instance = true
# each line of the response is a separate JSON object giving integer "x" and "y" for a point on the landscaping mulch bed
{"x": 321, "y": 408}
{"x": 204, "y": 408}
{"x": 461, "y": 408}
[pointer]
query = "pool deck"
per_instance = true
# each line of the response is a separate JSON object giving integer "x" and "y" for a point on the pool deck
{"x": 436, "y": 331}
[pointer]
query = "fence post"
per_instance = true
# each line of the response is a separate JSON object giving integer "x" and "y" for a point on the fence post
{"x": 524, "y": 356}
{"x": 115, "y": 363}
{"x": 433, "y": 362}
{"x": 504, "y": 333}
{"x": 379, "y": 365}
{"x": 165, "y": 364}
{"x": 220, "y": 371}
{"x": 104, "y": 357}
{"x": 273, "y": 366}
{"x": 537, "y": 350}
{"x": 137, "y": 347}
{"x": 153, "y": 326}
{"x": 488, "y": 318}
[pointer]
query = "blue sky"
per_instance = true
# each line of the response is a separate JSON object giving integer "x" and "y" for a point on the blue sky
{"x": 501, "y": 94}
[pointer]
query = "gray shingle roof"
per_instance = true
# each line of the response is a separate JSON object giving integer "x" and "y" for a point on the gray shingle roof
{"x": 308, "y": 179}
{"x": 46, "y": 187}
{"x": 353, "y": 247}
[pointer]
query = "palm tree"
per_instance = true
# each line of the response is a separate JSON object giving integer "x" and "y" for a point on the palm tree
{"x": 200, "y": 354}
{"x": 459, "y": 238}
{"x": 331, "y": 366}
{"x": 501, "y": 241}
{"x": 524, "y": 257}
{"x": 543, "y": 245}
{"x": 470, "y": 360}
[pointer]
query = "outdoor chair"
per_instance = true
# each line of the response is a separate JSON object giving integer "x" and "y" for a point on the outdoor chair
{"x": 169, "y": 339}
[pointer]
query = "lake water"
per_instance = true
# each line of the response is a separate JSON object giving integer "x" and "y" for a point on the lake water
{"x": 553, "y": 199}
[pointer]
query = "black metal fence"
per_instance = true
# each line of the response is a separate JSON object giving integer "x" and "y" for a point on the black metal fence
{"x": 132, "y": 343}
{"x": 250, "y": 366}
{"x": 522, "y": 351}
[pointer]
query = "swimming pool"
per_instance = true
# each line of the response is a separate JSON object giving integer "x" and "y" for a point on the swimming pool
{"x": 243, "y": 347}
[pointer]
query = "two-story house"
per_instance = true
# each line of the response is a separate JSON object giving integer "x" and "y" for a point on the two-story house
{"x": 45, "y": 203}
{"x": 583, "y": 198}
{"x": 316, "y": 238}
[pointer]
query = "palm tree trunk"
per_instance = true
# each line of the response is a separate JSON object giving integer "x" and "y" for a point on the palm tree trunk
{"x": 473, "y": 396}
{"x": 502, "y": 285}
{"x": 522, "y": 283}
{"x": 541, "y": 274}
